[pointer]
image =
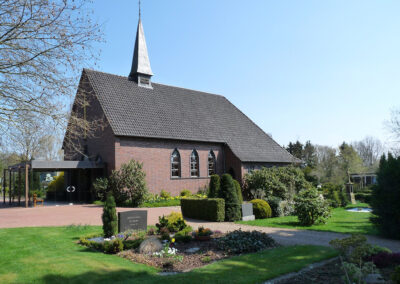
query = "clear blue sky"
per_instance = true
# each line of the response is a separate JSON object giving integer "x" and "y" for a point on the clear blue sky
{"x": 325, "y": 71}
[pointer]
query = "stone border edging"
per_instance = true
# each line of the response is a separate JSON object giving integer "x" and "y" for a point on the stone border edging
{"x": 308, "y": 268}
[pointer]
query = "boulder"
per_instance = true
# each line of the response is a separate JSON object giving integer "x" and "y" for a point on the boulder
{"x": 150, "y": 245}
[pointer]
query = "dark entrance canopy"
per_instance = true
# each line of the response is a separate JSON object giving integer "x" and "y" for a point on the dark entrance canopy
{"x": 38, "y": 165}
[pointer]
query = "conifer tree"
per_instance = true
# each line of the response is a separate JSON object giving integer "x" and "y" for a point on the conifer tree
{"x": 109, "y": 217}
{"x": 215, "y": 185}
{"x": 228, "y": 192}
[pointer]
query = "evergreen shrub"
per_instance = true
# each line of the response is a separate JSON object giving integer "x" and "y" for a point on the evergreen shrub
{"x": 238, "y": 191}
{"x": 229, "y": 194}
{"x": 261, "y": 209}
{"x": 385, "y": 200}
{"x": 109, "y": 217}
{"x": 215, "y": 185}
{"x": 209, "y": 209}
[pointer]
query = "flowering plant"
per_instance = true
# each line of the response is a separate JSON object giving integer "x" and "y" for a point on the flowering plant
{"x": 201, "y": 232}
{"x": 167, "y": 251}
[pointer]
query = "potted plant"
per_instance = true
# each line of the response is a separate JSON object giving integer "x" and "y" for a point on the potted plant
{"x": 202, "y": 234}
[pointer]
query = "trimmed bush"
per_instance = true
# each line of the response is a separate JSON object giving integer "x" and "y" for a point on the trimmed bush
{"x": 215, "y": 185}
{"x": 385, "y": 200}
{"x": 363, "y": 197}
{"x": 209, "y": 209}
{"x": 109, "y": 217}
{"x": 310, "y": 207}
{"x": 261, "y": 209}
{"x": 238, "y": 191}
{"x": 229, "y": 194}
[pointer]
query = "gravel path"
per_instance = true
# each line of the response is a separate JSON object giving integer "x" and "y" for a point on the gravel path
{"x": 293, "y": 236}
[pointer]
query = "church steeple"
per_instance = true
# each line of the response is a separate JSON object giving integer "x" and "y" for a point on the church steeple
{"x": 141, "y": 69}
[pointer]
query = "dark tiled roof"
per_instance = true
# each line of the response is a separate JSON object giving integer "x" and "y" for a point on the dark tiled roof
{"x": 177, "y": 113}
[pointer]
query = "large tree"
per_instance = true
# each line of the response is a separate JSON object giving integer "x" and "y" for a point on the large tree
{"x": 327, "y": 165}
{"x": 394, "y": 128}
{"x": 43, "y": 46}
{"x": 370, "y": 149}
{"x": 350, "y": 161}
{"x": 32, "y": 138}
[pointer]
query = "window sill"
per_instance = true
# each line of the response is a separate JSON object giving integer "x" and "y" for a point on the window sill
{"x": 193, "y": 178}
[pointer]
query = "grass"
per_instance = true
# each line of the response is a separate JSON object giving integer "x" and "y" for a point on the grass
{"x": 51, "y": 255}
{"x": 358, "y": 205}
{"x": 341, "y": 221}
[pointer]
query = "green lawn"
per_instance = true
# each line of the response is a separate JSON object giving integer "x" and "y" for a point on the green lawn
{"x": 341, "y": 221}
{"x": 50, "y": 255}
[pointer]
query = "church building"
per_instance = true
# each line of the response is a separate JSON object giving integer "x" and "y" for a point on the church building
{"x": 181, "y": 136}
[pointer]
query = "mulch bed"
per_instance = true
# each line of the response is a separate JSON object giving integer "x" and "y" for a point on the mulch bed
{"x": 207, "y": 253}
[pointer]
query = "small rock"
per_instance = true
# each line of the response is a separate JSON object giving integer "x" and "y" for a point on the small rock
{"x": 374, "y": 278}
{"x": 150, "y": 245}
{"x": 192, "y": 250}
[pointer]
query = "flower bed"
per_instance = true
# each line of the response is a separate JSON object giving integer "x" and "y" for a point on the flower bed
{"x": 172, "y": 246}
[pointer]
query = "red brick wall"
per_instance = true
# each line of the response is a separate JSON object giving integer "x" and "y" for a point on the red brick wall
{"x": 102, "y": 141}
{"x": 233, "y": 162}
{"x": 155, "y": 154}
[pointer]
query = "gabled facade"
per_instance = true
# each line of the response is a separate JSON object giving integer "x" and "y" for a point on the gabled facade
{"x": 181, "y": 136}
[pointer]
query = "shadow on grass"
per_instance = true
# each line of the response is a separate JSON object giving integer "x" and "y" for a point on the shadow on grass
{"x": 250, "y": 268}
{"x": 119, "y": 276}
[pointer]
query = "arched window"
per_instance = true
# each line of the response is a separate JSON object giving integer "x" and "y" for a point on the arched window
{"x": 175, "y": 164}
{"x": 211, "y": 163}
{"x": 194, "y": 164}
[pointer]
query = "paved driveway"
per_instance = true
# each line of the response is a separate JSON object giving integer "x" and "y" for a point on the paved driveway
{"x": 67, "y": 215}
{"x": 91, "y": 215}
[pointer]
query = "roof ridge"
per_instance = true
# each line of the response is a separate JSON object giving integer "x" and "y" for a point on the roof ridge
{"x": 160, "y": 84}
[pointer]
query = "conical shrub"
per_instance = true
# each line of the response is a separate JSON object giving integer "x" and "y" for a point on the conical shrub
{"x": 109, "y": 217}
{"x": 215, "y": 186}
{"x": 228, "y": 192}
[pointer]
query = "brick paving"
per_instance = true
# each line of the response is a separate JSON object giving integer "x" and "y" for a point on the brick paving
{"x": 67, "y": 215}
{"x": 91, "y": 215}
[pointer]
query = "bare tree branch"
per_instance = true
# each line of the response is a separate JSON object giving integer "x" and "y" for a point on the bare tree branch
{"x": 43, "y": 46}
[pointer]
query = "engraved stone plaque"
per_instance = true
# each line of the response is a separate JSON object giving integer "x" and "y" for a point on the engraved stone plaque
{"x": 132, "y": 220}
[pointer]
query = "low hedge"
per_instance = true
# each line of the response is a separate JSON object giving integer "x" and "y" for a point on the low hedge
{"x": 363, "y": 197}
{"x": 209, "y": 209}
